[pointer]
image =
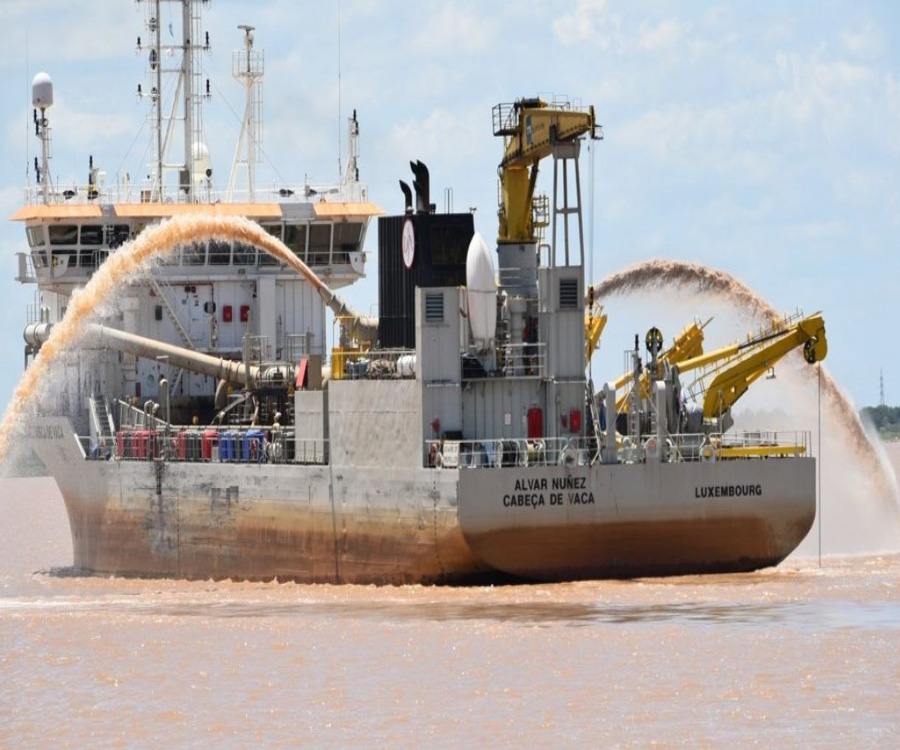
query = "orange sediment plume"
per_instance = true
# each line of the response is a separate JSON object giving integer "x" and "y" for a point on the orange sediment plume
{"x": 664, "y": 273}
{"x": 133, "y": 257}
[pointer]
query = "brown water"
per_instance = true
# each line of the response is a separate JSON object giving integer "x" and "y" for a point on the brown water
{"x": 794, "y": 657}
{"x": 129, "y": 261}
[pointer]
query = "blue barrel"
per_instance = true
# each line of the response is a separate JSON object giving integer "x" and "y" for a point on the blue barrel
{"x": 228, "y": 446}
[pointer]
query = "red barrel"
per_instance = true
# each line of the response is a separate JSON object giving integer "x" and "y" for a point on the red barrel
{"x": 139, "y": 443}
{"x": 123, "y": 444}
{"x": 207, "y": 441}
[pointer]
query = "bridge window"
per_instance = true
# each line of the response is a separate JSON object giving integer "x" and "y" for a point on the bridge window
{"x": 193, "y": 254}
{"x": 63, "y": 234}
{"x": 319, "y": 244}
{"x": 118, "y": 235}
{"x": 243, "y": 255}
{"x": 275, "y": 230}
{"x": 346, "y": 240}
{"x": 219, "y": 253}
{"x": 35, "y": 236}
{"x": 91, "y": 234}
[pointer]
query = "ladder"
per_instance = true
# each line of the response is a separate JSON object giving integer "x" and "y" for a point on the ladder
{"x": 102, "y": 422}
{"x": 162, "y": 289}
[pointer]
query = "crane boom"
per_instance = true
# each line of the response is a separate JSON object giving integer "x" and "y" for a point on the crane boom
{"x": 724, "y": 375}
{"x": 530, "y": 128}
{"x": 735, "y": 368}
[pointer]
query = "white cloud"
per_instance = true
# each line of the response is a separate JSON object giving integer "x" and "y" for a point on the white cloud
{"x": 662, "y": 36}
{"x": 429, "y": 136}
{"x": 866, "y": 42}
{"x": 47, "y": 32}
{"x": 456, "y": 29}
{"x": 590, "y": 22}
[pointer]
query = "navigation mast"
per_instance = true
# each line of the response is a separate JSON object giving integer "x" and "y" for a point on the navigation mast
{"x": 248, "y": 68}
{"x": 187, "y": 98}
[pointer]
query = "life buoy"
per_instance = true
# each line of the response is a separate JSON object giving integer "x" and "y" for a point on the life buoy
{"x": 708, "y": 454}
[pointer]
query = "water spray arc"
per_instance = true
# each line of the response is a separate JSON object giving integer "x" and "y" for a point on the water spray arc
{"x": 137, "y": 255}
{"x": 662, "y": 273}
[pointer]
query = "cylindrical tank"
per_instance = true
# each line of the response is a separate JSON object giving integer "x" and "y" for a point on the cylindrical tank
{"x": 36, "y": 334}
{"x": 209, "y": 440}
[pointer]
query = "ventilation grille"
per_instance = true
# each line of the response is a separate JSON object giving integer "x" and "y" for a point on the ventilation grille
{"x": 434, "y": 308}
{"x": 568, "y": 294}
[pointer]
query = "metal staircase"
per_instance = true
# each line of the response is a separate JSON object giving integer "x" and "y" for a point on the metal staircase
{"x": 102, "y": 420}
{"x": 163, "y": 289}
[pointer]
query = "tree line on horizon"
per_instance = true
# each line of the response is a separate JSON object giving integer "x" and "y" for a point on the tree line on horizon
{"x": 886, "y": 419}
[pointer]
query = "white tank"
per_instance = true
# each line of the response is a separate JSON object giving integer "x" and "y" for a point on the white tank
{"x": 41, "y": 91}
{"x": 482, "y": 293}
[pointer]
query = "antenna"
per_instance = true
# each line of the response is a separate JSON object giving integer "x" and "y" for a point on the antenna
{"x": 185, "y": 102}
{"x": 42, "y": 99}
{"x": 248, "y": 68}
{"x": 339, "y": 89}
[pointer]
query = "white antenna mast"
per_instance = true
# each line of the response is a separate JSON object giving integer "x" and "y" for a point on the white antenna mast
{"x": 188, "y": 93}
{"x": 339, "y": 86}
{"x": 42, "y": 99}
{"x": 248, "y": 68}
{"x": 351, "y": 176}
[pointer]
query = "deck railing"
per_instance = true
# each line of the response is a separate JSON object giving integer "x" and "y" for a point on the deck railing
{"x": 211, "y": 445}
{"x": 583, "y": 451}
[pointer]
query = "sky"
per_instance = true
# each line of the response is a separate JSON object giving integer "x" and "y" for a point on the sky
{"x": 760, "y": 138}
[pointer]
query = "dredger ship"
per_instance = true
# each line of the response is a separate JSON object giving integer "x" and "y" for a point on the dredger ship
{"x": 204, "y": 428}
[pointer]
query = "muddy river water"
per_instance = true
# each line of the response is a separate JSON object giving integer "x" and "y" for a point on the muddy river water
{"x": 794, "y": 657}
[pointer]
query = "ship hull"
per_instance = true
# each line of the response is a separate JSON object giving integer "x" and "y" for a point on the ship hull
{"x": 315, "y": 524}
{"x": 352, "y": 525}
{"x": 636, "y": 520}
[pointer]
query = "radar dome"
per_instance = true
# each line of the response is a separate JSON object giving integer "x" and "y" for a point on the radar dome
{"x": 482, "y": 293}
{"x": 202, "y": 162}
{"x": 41, "y": 91}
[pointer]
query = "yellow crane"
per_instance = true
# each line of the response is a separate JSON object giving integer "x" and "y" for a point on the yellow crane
{"x": 724, "y": 375}
{"x": 530, "y": 128}
{"x": 686, "y": 345}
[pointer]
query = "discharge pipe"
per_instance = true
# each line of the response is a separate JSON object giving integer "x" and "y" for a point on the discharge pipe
{"x": 139, "y": 346}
